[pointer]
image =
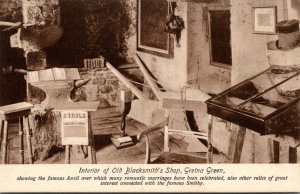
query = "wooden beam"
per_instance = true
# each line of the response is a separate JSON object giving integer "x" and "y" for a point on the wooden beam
{"x": 152, "y": 129}
{"x": 149, "y": 78}
{"x": 241, "y": 132}
{"x": 190, "y": 105}
{"x": 292, "y": 155}
{"x": 126, "y": 82}
{"x": 201, "y": 1}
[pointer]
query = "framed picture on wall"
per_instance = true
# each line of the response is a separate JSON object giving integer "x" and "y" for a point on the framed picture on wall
{"x": 151, "y": 38}
{"x": 264, "y": 20}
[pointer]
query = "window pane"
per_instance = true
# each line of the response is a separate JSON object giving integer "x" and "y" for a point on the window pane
{"x": 153, "y": 19}
{"x": 220, "y": 36}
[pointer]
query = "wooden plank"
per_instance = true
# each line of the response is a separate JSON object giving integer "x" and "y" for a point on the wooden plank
{"x": 84, "y": 106}
{"x": 106, "y": 131}
{"x": 148, "y": 78}
{"x": 108, "y": 121}
{"x": 276, "y": 148}
{"x": 202, "y": 1}
{"x": 72, "y": 73}
{"x": 103, "y": 113}
{"x": 209, "y": 140}
{"x": 128, "y": 66}
{"x": 188, "y": 94}
{"x": 284, "y": 153}
{"x": 104, "y": 126}
{"x": 239, "y": 144}
{"x": 12, "y": 108}
{"x": 126, "y": 82}
{"x": 292, "y": 155}
{"x": 190, "y": 105}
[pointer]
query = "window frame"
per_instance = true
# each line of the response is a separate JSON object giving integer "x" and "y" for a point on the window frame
{"x": 168, "y": 53}
{"x": 213, "y": 63}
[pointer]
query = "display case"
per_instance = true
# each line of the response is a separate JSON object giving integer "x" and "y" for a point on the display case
{"x": 268, "y": 103}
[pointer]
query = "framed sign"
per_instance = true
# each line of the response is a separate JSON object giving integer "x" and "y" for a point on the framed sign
{"x": 151, "y": 37}
{"x": 264, "y": 20}
{"x": 74, "y": 130}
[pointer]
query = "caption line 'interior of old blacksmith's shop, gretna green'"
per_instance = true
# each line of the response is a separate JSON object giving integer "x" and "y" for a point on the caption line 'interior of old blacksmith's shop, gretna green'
{"x": 149, "y": 81}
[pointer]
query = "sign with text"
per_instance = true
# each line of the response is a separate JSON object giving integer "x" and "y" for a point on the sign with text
{"x": 74, "y": 127}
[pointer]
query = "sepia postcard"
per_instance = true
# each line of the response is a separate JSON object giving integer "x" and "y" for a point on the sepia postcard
{"x": 149, "y": 96}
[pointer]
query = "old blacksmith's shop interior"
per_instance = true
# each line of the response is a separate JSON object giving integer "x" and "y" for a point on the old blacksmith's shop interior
{"x": 149, "y": 81}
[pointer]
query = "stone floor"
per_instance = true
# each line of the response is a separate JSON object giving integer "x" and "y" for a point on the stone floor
{"x": 106, "y": 152}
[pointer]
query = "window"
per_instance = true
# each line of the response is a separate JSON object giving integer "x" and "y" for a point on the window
{"x": 151, "y": 37}
{"x": 220, "y": 38}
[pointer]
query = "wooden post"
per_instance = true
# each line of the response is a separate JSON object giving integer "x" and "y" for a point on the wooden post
{"x": 239, "y": 144}
{"x": 90, "y": 154}
{"x": 91, "y": 147}
{"x": 166, "y": 139}
{"x": 1, "y": 130}
{"x": 209, "y": 139}
{"x": 292, "y": 155}
{"x": 67, "y": 156}
{"x": 4, "y": 143}
{"x": 276, "y": 149}
{"x": 126, "y": 99}
{"x": 21, "y": 134}
{"x": 28, "y": 139}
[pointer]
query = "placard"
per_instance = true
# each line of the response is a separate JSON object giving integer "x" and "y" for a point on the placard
{"x": 74, "y": 130}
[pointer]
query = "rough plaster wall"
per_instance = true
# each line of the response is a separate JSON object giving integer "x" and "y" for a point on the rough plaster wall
{"x": 209, "y": 78}
{"x": 293, "y": 7}
{"x": 248, "y": 49}
{"x": 171, "y": 73}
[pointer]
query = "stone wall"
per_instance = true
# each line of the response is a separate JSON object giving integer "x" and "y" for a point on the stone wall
{"x": 11, "y": 10}
{"x": 91, "y": 28}
{"x": 104, "y": 87}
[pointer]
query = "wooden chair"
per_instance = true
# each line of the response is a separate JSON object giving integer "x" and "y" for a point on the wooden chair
{"x": 168, "y": 157}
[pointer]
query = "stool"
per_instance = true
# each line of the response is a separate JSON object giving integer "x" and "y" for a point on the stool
{"x": 10, "y": 112}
